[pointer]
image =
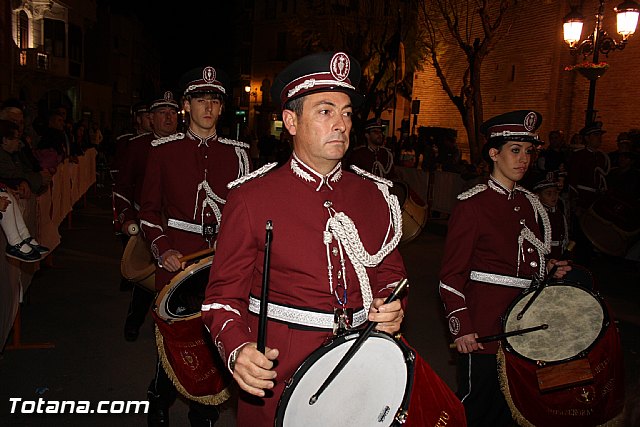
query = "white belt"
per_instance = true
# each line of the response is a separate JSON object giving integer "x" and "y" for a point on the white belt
{"x": 185, "y": 226}
{"x": 556, "y": 243}
{"x": 585, "y": 188}
{"x": 303, "y": 317}
{"x": 499, "y": 279}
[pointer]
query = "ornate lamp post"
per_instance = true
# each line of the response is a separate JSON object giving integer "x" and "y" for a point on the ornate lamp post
{"x": 598, "y": 42}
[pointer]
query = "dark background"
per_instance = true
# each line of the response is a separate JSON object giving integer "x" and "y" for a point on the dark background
{"x": 185, "y": 33}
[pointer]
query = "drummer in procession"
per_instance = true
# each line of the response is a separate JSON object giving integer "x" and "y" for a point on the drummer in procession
{"x": 588, "y": 168}
{"x": 163, "y": 118}
{"x": 499, "y": 234}
{"x": 318, "y": 284}
{"x": 374, "y": 157}
{"x": 186, "y": 183}
{"x": 141, "y": 124}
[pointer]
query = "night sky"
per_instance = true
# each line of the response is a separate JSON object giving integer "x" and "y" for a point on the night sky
{"x": 186, "y": 33}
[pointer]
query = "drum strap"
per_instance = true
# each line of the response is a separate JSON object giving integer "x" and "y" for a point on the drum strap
{"x": 296, "y": 316}
{"x": 499, "y": 279}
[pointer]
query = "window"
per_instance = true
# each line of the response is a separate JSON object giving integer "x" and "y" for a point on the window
{"x": 55, "y": 37}
{"x": 75, "y": 50}
{"x": 23, "y": 30}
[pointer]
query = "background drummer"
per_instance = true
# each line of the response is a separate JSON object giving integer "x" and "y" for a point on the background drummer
{"x": 373, "y": 157}
{"x": 185, "y": 183}
{"x": 307, "y": 264}
{"x": 163, "y": 117}
{"x": 494, "y": 247}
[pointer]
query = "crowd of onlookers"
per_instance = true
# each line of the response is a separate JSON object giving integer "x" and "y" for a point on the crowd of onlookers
{"x": 29, "y": 157}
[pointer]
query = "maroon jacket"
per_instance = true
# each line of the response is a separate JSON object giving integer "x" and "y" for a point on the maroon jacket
{"x": 128, "y": 185}
{"x": 378, "y": 162}
{"x": 295, "y": 199}
{"x": 186, "y": 181}
{"x": 587, "y": 171}
{"x": 482, "y": 248}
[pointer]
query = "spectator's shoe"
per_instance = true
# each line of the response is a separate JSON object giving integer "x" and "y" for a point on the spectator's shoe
{"x": 17, "y": 252}
{"x": 35, "y": 245}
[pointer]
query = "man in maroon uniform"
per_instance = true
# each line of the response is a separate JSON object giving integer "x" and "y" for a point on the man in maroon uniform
{"x": 186, "y": 183}
{"x": 141, "y": 121}
{"x": 315, "y": 275}
{"x": 493, "y": 250}
{"x": 128, "y": 193}
{"x": 588, "y": 168}
{"x": 374, "y": 157}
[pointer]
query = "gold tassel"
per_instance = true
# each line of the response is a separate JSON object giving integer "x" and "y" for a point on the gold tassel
{"x": 504, "y": 386}
{"x": 215, "y": 399}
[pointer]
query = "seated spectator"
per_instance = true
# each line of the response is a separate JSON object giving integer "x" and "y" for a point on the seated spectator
{"x": 52, "y": 147}
{"x": 21, "y": 245}
{"x": 13, "y": 172}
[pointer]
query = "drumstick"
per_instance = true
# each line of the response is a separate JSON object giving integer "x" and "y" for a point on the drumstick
{"x": 262, "y": 319}
{"x": 356, "y": 345}
{"x": 543, "y": 284}
{"x": 497, "y": 337}
{"x": 195, "y": 255}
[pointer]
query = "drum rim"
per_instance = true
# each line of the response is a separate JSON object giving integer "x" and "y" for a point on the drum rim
{"x": 325, "y": 348}
{"x": 168, "y": 290}
{"x": 559, "y": 282}
{"x": 138, "y": 275}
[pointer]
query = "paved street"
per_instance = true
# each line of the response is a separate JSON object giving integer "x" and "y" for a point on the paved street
{"x": 76, "y": 304}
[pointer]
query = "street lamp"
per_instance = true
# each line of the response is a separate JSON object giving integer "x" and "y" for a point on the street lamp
{"x": 599, "y": 42}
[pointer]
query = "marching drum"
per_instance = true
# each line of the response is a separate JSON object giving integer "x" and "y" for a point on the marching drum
{"x": 385, "y": 383}
{"x": 138, "y": 264}
{"x": 187, "y": 353}
{"x": 612, "y": 224}
{"x": 414, "y": 211}
{"x": 569, "y": 374}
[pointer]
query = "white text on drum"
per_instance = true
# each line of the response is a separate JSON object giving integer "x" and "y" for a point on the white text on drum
{"x": 42, "y": 406}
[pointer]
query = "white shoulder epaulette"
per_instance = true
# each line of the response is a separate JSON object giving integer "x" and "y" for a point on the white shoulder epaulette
{"x": 255, "y": 174}
{"x": 233, "y": 142}
{"x": 140, "y": 136}
{"x": 472, "y": 191}
{"x": 166, "y": 139}
{"x": 371, "y": 176}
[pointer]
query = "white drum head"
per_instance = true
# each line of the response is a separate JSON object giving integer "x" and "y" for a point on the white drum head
{"x": 575, "y": 317}
{"x": 367, "y": 392}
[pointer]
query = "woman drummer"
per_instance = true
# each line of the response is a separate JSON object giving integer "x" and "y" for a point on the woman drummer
{"x": 499, "y": 235}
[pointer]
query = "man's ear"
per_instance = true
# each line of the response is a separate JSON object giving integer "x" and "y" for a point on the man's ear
{"x": 493, "y": 152}
{"x": 290, "y": 120}
{"x": 186, "y": 105}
